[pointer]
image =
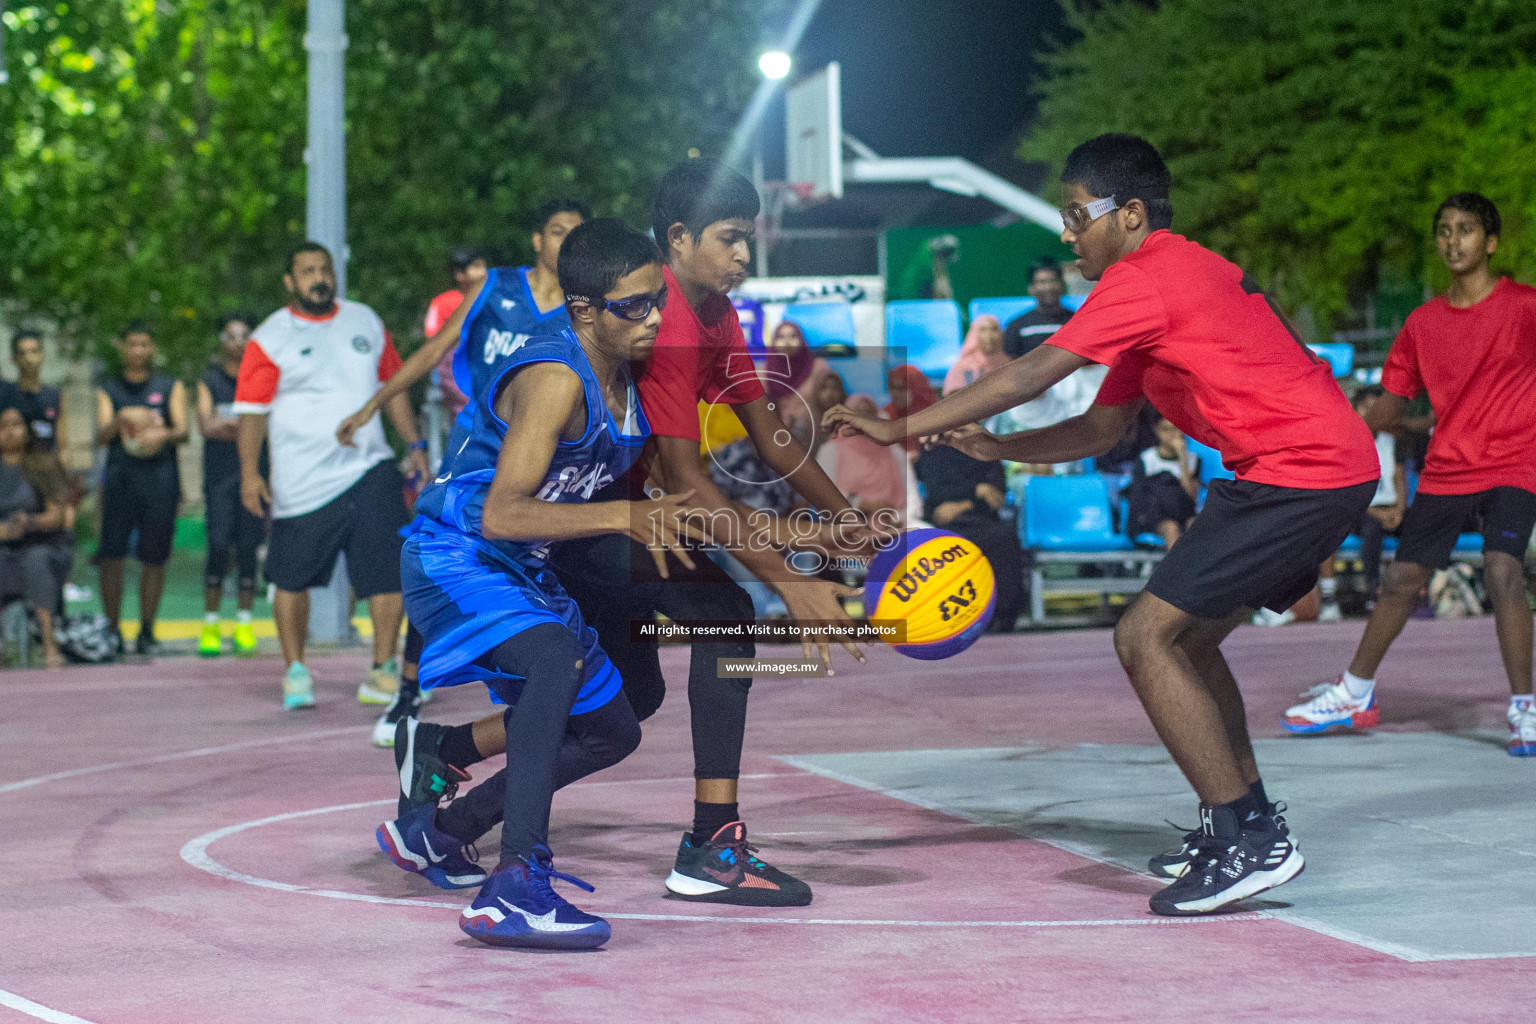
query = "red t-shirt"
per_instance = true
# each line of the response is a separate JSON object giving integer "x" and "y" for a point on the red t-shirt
{"x": 441, "y": 308}
{"x": 699, "y": 357}
{"x": 1479, "y": 367}
{"x": 1187, "y": 329}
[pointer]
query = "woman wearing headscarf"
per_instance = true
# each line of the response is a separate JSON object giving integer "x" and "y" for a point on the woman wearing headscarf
{"x": 798, "y": 377}
{"x": 980, "y": 355}
{"x": 910, "y": 394}
{"x": 872, "y": 476}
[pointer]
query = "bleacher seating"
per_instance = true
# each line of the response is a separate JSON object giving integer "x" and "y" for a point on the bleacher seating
{"x": 823, "y": 323}
{"x": 1005, "y": 308}
{"x": 1066, "y": 520}
{"x": 925, "y": 333}
{"x": 1339, "y": 355}
{"x": 863, "y": 374}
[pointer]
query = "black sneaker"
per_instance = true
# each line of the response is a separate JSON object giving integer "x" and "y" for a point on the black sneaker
{"x": 1174, "y": 863}
{"x": 724, "y": 870}
{"x": 1232, "y": 864}
{"x": 425, "y": 778}
{"x": 146, "y": 645}
{"x": 406, "y": 704}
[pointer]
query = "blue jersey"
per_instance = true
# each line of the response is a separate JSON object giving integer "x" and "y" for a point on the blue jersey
{"x": 502, "y": 319}
{"x": 604, "y": 452}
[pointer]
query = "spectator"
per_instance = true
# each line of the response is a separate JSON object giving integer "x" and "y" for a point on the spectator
{"x": 469, "y": 267}
{"x": 962, "y": 494}
{"x": 306, "y": 367}
{"x": 32, "y": 491}
{"x": 40, "y": 404}
{"x": 796, "y": 373}
{"x": 141, "y": 417}
{"x": 1028, "y": 330}
{"x": 910, "y": 394}
{"x": 230, "y": 524}
{"x": 981, "y": 354}
{"x": 870, "y": 475}
{"x": 1385, "y": 516}
{"x": 1165, "y": 480}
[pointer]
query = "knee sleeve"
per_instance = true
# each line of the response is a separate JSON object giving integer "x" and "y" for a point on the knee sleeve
{"x": 217, "y": 566}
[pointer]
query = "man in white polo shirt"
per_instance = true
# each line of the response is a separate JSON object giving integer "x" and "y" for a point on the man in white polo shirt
{"x": 306, "y": 367}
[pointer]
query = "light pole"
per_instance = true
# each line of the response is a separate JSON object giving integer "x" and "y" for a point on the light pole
{"x": 775, "y": 66}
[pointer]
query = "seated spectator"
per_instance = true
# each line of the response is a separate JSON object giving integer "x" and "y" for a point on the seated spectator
{"x": 910, "y": 394}
{"x": 871, "y": 476}
{"x": 962, "y": 494}
{"x": 796, "y": 373}
{"x": 32, "y": 491}
{"x": 980, "y": 355}
{"x": 1165, "y": 481}
{"x": 1046, "y": 286}
{"x": 1385, "y": 516}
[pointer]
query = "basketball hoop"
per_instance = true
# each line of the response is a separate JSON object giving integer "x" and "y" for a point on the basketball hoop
{"x": 779, "y": 196}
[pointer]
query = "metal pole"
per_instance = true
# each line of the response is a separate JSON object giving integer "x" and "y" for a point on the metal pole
{"x": 330, "y": 607}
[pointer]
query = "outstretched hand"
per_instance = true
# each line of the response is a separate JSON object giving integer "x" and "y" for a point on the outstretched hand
{"x": 353, "y": 423}
{"x": 972, "y": 439}
{"x": 662, "y": 525}
{"x": 841, "y": 420}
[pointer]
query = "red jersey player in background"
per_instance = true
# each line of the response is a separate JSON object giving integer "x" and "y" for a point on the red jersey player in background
{"x": 469, "y": 268}
{"x": 1473, "y": 350}
{"x": 1185, "y": 329}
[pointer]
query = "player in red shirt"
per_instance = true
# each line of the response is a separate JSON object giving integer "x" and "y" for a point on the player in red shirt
{"x": 1187, "y": 330}
{"x": 469, "y": 269}
{"x": 1473, "y": 350}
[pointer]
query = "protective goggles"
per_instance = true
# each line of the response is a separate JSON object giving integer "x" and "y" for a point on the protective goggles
{"x": 635, "y": 308}
{"x": 1077, "y": 216}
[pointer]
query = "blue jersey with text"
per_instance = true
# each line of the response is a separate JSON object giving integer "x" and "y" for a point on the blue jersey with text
{"x": 604, "y": 452}
{"x": 500, "y": 322}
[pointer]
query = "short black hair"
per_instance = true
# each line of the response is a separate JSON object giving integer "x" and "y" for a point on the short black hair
{"x": 559, "y": 204}
{"x": 1475, "y": 203}
{"x": 1126, "y": 167}
{"x": 310, "y": 246}
{"x": 138, "y": 325}
{"x": 463, "y": 255}
{"x": 231, "y": 316}
{"x": 1046, "y": 263}
{"x": 697, "y": 193}
{"x": 1368, "y": 391}
{"x": 17, "y": 338}
{"x": 597, "y": 254}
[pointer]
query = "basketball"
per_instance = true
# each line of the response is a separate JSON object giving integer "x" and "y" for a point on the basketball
{"x": 133, "y": 420}
{"x": 939, "y": 584}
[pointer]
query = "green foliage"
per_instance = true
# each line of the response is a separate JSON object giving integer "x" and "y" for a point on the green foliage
{"x": 1309, "y": 141}
{"x": 151, "y": 153}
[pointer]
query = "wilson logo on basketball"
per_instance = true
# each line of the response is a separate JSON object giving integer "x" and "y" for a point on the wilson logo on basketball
{"x": 923, "y": 570}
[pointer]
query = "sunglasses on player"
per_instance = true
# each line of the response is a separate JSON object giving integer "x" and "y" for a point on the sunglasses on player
{"x": 1077, "y": 216}
{"x": 635, "y": 308}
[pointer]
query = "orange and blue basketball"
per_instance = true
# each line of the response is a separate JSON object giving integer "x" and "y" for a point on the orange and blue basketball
{"x": 939, "y": 584}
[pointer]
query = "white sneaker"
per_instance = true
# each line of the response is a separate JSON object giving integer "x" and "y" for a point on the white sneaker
{"x": 1330, "y": 612}
{"x": 381, "y": 685}
{"x": 1329, "y": 705}
{"x": 1522, "y": 732}
{"x": 1265, "y": 617}
{"x": 298, "y": 688}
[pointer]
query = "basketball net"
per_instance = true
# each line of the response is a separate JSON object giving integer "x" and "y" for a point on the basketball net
{"x": 779, "y": 196}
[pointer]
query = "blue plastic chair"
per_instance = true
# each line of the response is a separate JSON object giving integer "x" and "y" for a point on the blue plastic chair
{"x": 1210, "y": 462}
{"x": 750, "y": 313}
{"x": 925, "y": 333}
{"x": 1073, "y": 302}
{"x": 1005, "y": 309}
{"x": 862, "y": 375}
{"x": 823, "y": 323}
{"x": 1339, "y": 355}
{"x": 1069, "y": 513}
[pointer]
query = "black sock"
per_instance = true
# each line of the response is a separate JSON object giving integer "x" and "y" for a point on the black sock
{"x": 1257, "y": 792}
{"x": 458, "y": 746}
{"x": 1245, "y": 807}
{"x": 710, "y": 818}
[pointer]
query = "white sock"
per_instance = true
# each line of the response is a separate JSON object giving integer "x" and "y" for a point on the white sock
{"x": 210, "y": 618}
{"x": 1356, "y": 686}
{"x": 1330, "y": 585}
{"x": 1520, "y": 702}
{"x": 243, "y": 616}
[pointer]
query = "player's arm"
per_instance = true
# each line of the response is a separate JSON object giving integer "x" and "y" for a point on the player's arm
{"x": 249, "y": 435}
{"x": 790, "y": 461}
{"x": 1093, "y": 433}
{"x": 413, "y": 369}
{"x": 540, "y": 404}
{"x": 106, "y": 419}
{"x": 1022, "y": 380}
{"x": 1384, "y": 411}
{"x": 400, "y": 413}
{"x": 210, "y": 424}
{"x": 179, "y": 428}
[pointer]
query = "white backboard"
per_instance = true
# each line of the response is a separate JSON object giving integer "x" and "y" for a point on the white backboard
{"x": 814, "y": 134}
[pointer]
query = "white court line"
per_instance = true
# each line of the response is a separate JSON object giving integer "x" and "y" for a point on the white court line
{"x": 180, "y": 756}
{"x": 12, "y": 1001}
{"x": 195, "y": 853}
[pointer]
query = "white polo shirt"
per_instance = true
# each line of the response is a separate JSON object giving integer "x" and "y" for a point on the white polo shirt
{"x": 308, "y": 374}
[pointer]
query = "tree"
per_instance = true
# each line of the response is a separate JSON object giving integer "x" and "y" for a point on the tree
{"x": 1309, "y": 141}
{"x": 153, "y": 151}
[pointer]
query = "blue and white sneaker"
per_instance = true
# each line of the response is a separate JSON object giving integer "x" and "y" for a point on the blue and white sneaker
{"x": 1331, "y": 705}
{"x": 1522, "y": 731}
{"x": 416, "y": 844}
{"x": 517, "y": 906}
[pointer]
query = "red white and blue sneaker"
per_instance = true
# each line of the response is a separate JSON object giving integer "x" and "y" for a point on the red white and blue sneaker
{"x": 1522, "y": 731}
{"x": 1232, "y": 863}
{"x": 1331, "y": 705}
{"x": 518, "y": 906}
{"x": 416, "y": 844}
{"x": 726, "y": 870}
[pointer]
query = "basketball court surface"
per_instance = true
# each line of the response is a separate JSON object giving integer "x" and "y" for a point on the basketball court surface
{"x": 181, "y": 850}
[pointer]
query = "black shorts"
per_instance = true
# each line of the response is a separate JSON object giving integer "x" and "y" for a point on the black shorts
{"x": 364, "y": 521}
{"x": 142, "y": 496}
{"x": 1503, "y": 515}
{"x": 1256, "y": 545}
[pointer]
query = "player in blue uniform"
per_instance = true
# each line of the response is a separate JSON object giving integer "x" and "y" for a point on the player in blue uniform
{"x": 560, "y": 420}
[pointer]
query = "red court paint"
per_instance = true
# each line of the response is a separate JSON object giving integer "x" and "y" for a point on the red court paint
{"x": 107, "y": 923}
